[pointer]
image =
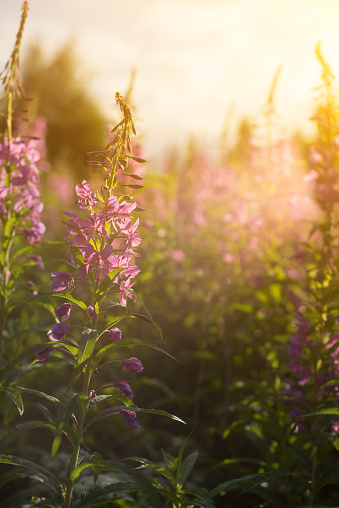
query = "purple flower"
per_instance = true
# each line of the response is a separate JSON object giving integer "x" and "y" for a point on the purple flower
{"x": 34, "y": 234}
{"x": 86, "y": 198}
{"x": 91, "y": 394}
{"x": 133, "y": 364}
{"x": 61, "y": 280}
{"x": 124, "y": 388}
{"x": 38, "y": 260}
{"x": 130, "y": 418}
{"x": 114, "y": 334}
{"x": 59, "y": 331}
{"x": 63, "y": 311}
{"x": 44, "y": 353}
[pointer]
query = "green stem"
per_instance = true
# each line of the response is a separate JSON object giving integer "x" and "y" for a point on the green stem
{"x": 80, "y": 428}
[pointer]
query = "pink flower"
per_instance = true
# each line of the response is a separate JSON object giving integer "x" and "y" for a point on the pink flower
{"x": 130, "y": 418}
{"x": 61, "y": 281}
{"x": 59, "y": 331}
{"x": 86, "y": 198}
{"x": 133, "y": 364}
{"x": 63, "y": 311}
{"x": 177, "y": 255}
{"x": 38, "y": 260}
{"x": 44, "y": 353}
{"x": 114, "y": 334}
{"x": 124, "y": 291}
{"x": 124, "y": 388}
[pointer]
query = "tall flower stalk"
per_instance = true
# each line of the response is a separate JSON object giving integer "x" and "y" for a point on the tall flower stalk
{"x": 20, "y": 206}
{"x": 313, "y": 350}
{"x": 102, "y": 241}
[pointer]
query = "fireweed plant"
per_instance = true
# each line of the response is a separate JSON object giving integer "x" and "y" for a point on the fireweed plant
{"x": 20, "y": 212}
{"x": 313, "y": 388}
{"x": 101, "y": 241}
{"x": 295, "y": 420}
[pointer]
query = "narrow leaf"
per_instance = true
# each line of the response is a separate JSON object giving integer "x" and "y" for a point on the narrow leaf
{"x": 37, "y": 392}
{"x": 27, "y": 464}
{"x": 101, "y": 494}
{"x": 206, "y": 499}
{"x": 65, "y": 409}
{"x": 15, "y": 395}
{"x": 86, "y": 347}
{"x": 71, "y": 298}
{"x": 124, "y": 343}
{"x": 186, "y": 467}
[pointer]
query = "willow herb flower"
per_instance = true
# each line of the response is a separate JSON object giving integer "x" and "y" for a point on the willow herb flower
{"x": 63, "y": 311}
{"x": 61, "y": 281}
{"x": 130, "y": 418}
{"x": 59, "y": 331}
{"x": 124, "y": 388}
{"x": 44, "y": 353}
{"x": 114, "y": 334}
{"x": 133, "y": 364}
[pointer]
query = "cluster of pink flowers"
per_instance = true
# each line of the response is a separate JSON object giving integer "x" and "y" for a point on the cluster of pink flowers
{"x": 19, "y": 181}
{"x": 313, "y": 382}
{"x": 101, "y": 243}
{"x": 104, "y": 241}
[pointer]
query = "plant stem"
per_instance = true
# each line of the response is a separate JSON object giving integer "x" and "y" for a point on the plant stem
{"x": 80, "y": 426}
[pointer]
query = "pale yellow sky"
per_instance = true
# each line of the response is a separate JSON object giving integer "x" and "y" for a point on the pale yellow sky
{"x": 194, "y": 58}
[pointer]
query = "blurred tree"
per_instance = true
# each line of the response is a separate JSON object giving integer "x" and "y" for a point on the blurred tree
{"x": 239, "y": 154}
{"x": 60, "y": 92}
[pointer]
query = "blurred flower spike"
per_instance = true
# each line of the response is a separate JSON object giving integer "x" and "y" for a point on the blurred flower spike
{"x": 19, "y": 191}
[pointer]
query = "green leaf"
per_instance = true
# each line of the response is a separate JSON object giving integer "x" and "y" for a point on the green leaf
{"x": 37, "y": 392}
{"x": 139, "y": 479}
{"x": 44, "y": 475}
{"x": 99, "y": 398}
{"x": 86, "y": 347}
{"x": 206, "y": 499}
{"x": 243, "y": 307}
{"x": 116, "y": 410}
{"x": 93, "y": 461}
{"x": 65, "y": 409}
{"x": 106, "y": 284}
{"x": 15, "y": 395}
{"x": 28, "y": 352}
{"x": 170, "y": 461}
{"x": 147, "y": 464}
{"x": 186, "y": 467}
{"x": 332, "y": 411}
{"x": 252, "y": 481}
{"x": 75, "y": 474}
{"x": 14, "y": 430}
{"x": 8, "y": 477}
{"x": 101, "y": 494}
{"x": 124, "y": 343}
{"x": 71, "y": 298}
{"x": 8, "y": 226}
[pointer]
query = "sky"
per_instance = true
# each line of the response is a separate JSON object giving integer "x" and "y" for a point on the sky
{"x": 199, "y": 63}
